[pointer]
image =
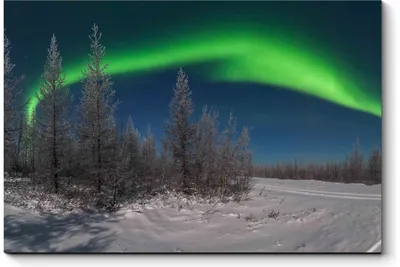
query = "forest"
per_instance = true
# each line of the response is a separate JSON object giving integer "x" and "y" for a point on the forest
{"x": 76, "y": 151}
{"x": 79, "y": 153}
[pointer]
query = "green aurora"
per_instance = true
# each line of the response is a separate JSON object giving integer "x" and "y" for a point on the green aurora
{"x": 243, "y": 55}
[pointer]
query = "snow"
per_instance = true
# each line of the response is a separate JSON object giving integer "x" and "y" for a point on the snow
{"x": 278, "y": 216}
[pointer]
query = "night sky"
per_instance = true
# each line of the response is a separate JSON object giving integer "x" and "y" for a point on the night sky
{"x": 304, "y": 76}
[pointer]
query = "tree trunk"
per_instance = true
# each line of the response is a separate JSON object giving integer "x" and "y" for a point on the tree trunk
{"x": 55, "y": 159}
{"x": 99, "y": 180}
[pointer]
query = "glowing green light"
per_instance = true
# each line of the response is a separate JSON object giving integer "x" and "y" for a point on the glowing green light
{"x": 243, "y": 56}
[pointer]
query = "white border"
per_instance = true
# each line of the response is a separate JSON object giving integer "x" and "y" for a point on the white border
{"x": 391, "y": 191}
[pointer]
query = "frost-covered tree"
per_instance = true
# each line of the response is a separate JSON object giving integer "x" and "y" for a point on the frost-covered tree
{"x": 180, "y": 131}
{"x": 244, "y": 157}
{"x": 11, "y": 113}
{"x": 117, "y": 170}
{"x": 128, "y": 161}
{"x": 52, "y": 113}
{"x": 243, "y": 161}
{"x": 97, "y": 107}
{"x": 227, "y": 161}
{"x": 205, "y": 150}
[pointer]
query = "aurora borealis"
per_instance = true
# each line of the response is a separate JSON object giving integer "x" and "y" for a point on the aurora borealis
{"x": 243, "y": 56}
{"x": 271, "y": 53}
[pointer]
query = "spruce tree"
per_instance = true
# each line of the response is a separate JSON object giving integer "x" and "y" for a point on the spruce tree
{"x": 11, "y": 112}
{"x": 52, "y": 114}
{"x": 96, "y": 109}
{"x": 180, "y": 131}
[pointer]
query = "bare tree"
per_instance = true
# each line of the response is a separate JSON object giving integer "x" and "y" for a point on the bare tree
{"x": 52, "y": 112}
{"x": 180, "y": 131}
{"x": 97, "y": 109}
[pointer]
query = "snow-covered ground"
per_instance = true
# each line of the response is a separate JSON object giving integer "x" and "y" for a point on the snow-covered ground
{"x": 279, "y": 216}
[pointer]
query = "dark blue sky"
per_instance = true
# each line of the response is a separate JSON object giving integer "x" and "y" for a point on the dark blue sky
{"x": 285, "y": 124}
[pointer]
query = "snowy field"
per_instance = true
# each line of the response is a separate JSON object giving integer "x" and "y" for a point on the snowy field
{"x": 278, "y": 216}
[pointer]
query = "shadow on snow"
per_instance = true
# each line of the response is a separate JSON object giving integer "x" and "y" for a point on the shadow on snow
{"x": 46, "y": 233}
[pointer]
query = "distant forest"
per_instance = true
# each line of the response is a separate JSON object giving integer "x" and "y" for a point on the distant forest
{"x": 354, "y": 169}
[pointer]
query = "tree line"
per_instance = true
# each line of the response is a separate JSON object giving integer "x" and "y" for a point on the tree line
{"x": 63, "y": 147}
{"x": 354, "y": 169}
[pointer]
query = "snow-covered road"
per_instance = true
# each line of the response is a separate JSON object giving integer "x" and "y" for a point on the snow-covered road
{"x": 308, "y": 216}
{"x": 321, "y": 192}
